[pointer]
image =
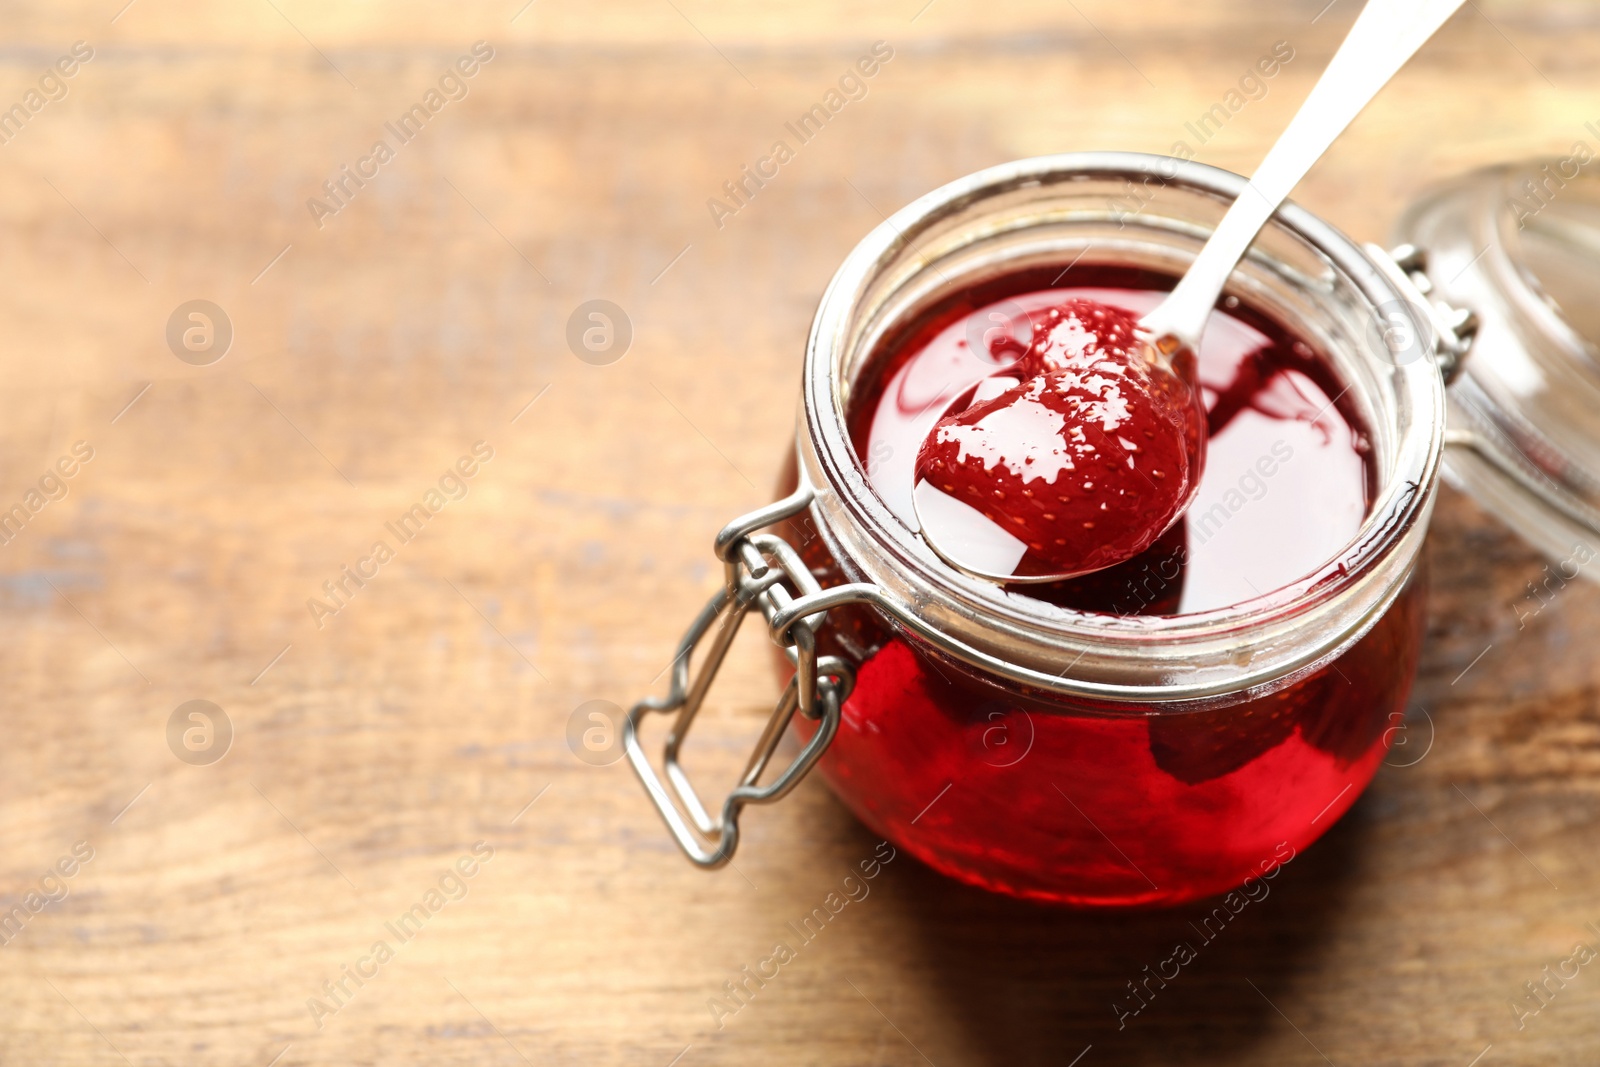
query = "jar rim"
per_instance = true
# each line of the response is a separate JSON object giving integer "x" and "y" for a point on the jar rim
{"x": 1043, "y": 636}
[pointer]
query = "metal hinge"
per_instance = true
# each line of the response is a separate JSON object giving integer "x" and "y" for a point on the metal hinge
{"x": 1451, "y": 328}
{"x": 758, "y": 568}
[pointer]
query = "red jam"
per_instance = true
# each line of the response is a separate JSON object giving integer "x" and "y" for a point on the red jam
{"x": 1285, "y": 485}
{"x": 1065, "y": 800}
{"x": 1072, "y": 459}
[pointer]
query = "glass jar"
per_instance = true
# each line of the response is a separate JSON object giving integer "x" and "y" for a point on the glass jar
{"x": 1062, "y": 755}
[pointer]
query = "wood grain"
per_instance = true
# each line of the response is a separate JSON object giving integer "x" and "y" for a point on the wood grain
{"x": 371, "y": 753}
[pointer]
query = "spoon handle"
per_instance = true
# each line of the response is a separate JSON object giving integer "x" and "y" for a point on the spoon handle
{"x": 1386, "y": 34}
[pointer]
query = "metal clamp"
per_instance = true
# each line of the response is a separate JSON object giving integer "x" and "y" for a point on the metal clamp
{"x": 1526, "y": 476}
{"x": 757, "y": 568}
{"x": 1453, "y": 328}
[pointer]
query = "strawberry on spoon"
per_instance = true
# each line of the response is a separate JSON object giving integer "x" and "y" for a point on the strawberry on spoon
{"x": 1075, "y": 458}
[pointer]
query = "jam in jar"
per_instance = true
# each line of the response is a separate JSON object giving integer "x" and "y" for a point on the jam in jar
{"x": 1052, "y": 799}
{"x": 1146, "y": 734}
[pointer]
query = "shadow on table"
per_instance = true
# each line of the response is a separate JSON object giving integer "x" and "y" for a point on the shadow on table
{"x": 1036, "y": 985}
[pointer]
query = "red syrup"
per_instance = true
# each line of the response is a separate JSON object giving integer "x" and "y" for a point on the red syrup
{"x": 1059, "y": 799}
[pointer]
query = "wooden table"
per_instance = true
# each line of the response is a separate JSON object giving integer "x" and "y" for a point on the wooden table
{"x": 373, "y": 747}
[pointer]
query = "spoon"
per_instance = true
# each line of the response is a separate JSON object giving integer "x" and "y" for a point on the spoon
{"x": 1158, "y": 369}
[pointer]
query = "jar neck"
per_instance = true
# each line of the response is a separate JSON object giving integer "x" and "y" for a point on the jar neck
{"x": 1050, "y": 210}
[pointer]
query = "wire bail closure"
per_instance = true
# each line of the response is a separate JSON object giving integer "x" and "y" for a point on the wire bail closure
{"x": 757, "y": 567}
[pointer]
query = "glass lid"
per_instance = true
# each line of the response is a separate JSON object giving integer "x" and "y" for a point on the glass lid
{"x": 1518, "y": 245}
